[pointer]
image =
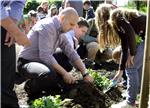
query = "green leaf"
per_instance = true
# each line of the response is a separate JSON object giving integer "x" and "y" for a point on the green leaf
{"x": 99, "y": 80}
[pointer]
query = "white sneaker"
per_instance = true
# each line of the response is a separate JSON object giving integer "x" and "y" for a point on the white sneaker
{"x": 123, "y": 104}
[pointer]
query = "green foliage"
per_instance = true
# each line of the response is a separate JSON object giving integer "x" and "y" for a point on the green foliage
{"x": 31, "y": 5}
{"x": 139, "y": 5}
{"x": 143, "y": 9}
{"x": 142, "y": 6}
{"x": 138, "y": 40}
{"x": 131, "y": 5}
{"x": 56, "y": 2}
{"x": 47, "y": 102}
{"x": 100, "y": 81}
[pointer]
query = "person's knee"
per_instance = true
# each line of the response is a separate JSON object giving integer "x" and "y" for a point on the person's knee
{"x": 92, "y": 49}
{"x": 34, "y": 69}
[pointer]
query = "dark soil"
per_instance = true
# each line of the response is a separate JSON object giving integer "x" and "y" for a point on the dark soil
{"x": 82, "y": 94}
{"x": 88, "y": 96}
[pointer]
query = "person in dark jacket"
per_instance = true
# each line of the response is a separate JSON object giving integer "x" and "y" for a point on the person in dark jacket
{"x": 122, "y": 29}
{"x": 89, "y": 11}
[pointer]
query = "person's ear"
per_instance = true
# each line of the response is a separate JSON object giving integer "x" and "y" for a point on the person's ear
{"x": 76, "y": 26}
{"x": 62, "y": 17}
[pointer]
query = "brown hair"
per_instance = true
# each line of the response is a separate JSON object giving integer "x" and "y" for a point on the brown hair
{"x": 106, "y": 36}
{"x": 82, "y": 22}
{"x": 88, "y": 2}
{"x": 39, "y": 9}
{"x": 107, "y": 27}
{"x": 128, "y": 14}
{"x": 32, "y": 13}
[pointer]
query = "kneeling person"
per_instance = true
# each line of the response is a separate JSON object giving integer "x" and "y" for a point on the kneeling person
{"x": 37, "y": 62}
{"x": 73, "y": 37}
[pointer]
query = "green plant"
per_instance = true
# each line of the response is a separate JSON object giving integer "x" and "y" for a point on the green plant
{"x": 138, "y": 40}
{"x": 100, "y": 81}
{"x": 47, "y": 102}
{"x": 31, "y": 5}
{"x": 139, "y": 5}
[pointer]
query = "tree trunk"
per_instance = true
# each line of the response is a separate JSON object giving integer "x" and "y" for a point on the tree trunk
{"x": 144, "y": 96}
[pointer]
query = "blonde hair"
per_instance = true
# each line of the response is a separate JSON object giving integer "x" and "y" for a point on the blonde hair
{"x": 107, "y": 24}
{"x": 106, "y": 36}
{"x": 44, "y": 2}
{"x": 128, "y": 14}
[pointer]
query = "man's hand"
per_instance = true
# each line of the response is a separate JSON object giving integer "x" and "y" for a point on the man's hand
{"x": 14, "y": 32}
{"x": 130, "y": 61}
{"x": 68, "y": 78}
{"x": 88, "y": 78}
{"x": 118, "y": 75}
{"x": 22, "y": 40}
{"x": 9, "y": 40}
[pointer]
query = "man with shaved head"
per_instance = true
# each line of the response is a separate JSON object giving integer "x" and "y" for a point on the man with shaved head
{"x": 37, "y": 62}
{"x": 68, "y": 18}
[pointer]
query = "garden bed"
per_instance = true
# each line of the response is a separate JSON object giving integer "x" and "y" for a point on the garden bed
{"x": 82, "y": 94}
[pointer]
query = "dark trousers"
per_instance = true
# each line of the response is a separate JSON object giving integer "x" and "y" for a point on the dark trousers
{"x": 82, "y": 51}
{"x": 63, "y": 60}
{"x": 40, "y": 77}
{"x": 8, "y": 68}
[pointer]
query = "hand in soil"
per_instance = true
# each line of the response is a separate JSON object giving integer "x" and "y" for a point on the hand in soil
{"x": 68, "y": 78}
{"x": 89, "y": 79}
{"x": 118, "y": 75}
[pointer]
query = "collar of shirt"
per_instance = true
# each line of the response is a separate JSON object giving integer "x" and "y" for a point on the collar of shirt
{"x": 72, "y": 39}
{"x": 57, "y": 24}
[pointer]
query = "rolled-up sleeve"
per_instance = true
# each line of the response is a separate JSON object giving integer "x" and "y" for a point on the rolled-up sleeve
{"x": 3, "y": 12}
{"x": 16, "y": 11}
{"x": 13, "y": 9}
{"x": 67, "y": 48}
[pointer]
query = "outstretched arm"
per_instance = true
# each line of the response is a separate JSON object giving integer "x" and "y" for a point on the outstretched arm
{"x": 79, "y": 64}
{"x": 128, "y": 42}
{"x": 74, "y": 57}
{"x": 14, "y": 31}
{"x": 7, "y": 22}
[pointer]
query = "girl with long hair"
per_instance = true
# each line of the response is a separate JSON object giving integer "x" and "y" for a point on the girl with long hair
{"x": 122, "y": 28}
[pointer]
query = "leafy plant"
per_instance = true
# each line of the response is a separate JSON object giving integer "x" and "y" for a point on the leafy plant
{"x": 31, "y": 5}
{"x": 137, "y": 4}
{"x": 102, "y": 82}
{"x": 138, "y": 40}
{"x": 47, "y": 102}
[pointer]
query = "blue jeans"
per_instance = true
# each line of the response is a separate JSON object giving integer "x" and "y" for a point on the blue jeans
{"x": 134, "y": 75}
